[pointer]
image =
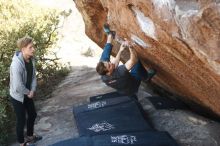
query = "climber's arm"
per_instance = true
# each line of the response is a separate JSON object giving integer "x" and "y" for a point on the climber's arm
{"x": 133, "y": 58}
{"x": 118, "y": 56}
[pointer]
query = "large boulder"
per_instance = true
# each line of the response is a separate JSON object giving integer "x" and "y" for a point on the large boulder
{"x": 180, "y": 38}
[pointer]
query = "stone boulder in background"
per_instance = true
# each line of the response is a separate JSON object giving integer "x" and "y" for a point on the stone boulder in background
{"x": 180, "y": 38}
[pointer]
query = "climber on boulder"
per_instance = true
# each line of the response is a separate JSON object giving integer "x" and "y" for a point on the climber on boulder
{"x": 124, "y": 78}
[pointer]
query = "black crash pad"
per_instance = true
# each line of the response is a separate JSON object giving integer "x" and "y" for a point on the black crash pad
{"x": 81, "y": 141}
{"x": 101, "y": 104}
{"x": 124, "y": 117}
{"x": 109, "y": 95}
{"x": 148, "y": 138}
{"x": 105, "y": 96}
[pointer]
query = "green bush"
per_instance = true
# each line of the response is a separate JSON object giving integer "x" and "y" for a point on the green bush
{"x": 20, "y": 18}
{"x": 7, "y": 119}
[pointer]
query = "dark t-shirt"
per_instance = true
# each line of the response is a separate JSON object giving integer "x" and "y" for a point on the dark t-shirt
{"x": 122, "y": 81}
{"x": 29, "y": 69}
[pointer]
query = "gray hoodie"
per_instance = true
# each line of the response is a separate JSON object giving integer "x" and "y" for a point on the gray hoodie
{"x": 18, "y": 78}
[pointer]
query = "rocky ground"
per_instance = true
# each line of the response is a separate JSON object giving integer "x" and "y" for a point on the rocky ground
{"x": 56, "y": 122}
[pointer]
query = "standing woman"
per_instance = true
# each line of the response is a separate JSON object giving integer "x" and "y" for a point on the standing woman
{"x": 22, "y": 88}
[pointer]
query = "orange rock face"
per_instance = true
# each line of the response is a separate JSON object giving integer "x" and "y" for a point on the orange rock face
{"x": 180, "y": 38}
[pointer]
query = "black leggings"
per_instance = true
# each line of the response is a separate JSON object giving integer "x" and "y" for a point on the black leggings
{"x": 20, "y": 111}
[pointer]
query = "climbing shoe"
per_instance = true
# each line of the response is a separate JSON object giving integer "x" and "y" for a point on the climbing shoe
{"x": 150, "y": 73}
{"x": 106, "y": 28}
{"x": 108, "y": 31}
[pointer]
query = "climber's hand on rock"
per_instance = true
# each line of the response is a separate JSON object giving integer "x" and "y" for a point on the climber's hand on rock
{"x": 123, "y": 46}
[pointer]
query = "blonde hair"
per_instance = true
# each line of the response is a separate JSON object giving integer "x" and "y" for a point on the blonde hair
{"x": 23, "y": 42}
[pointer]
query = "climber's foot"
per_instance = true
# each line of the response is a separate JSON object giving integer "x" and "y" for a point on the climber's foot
{"x": 151, "y": 73}
{"x": 108, "y": 31}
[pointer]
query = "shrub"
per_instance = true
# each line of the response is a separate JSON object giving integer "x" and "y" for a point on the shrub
{"x": 20, "y": 18}
{"x": 5, "y": 121}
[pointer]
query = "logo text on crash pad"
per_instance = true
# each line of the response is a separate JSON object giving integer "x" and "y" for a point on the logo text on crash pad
{"x": 103, "y": 126}
{"x": 123, "y": 139}
{"x": 97, "y": 105}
